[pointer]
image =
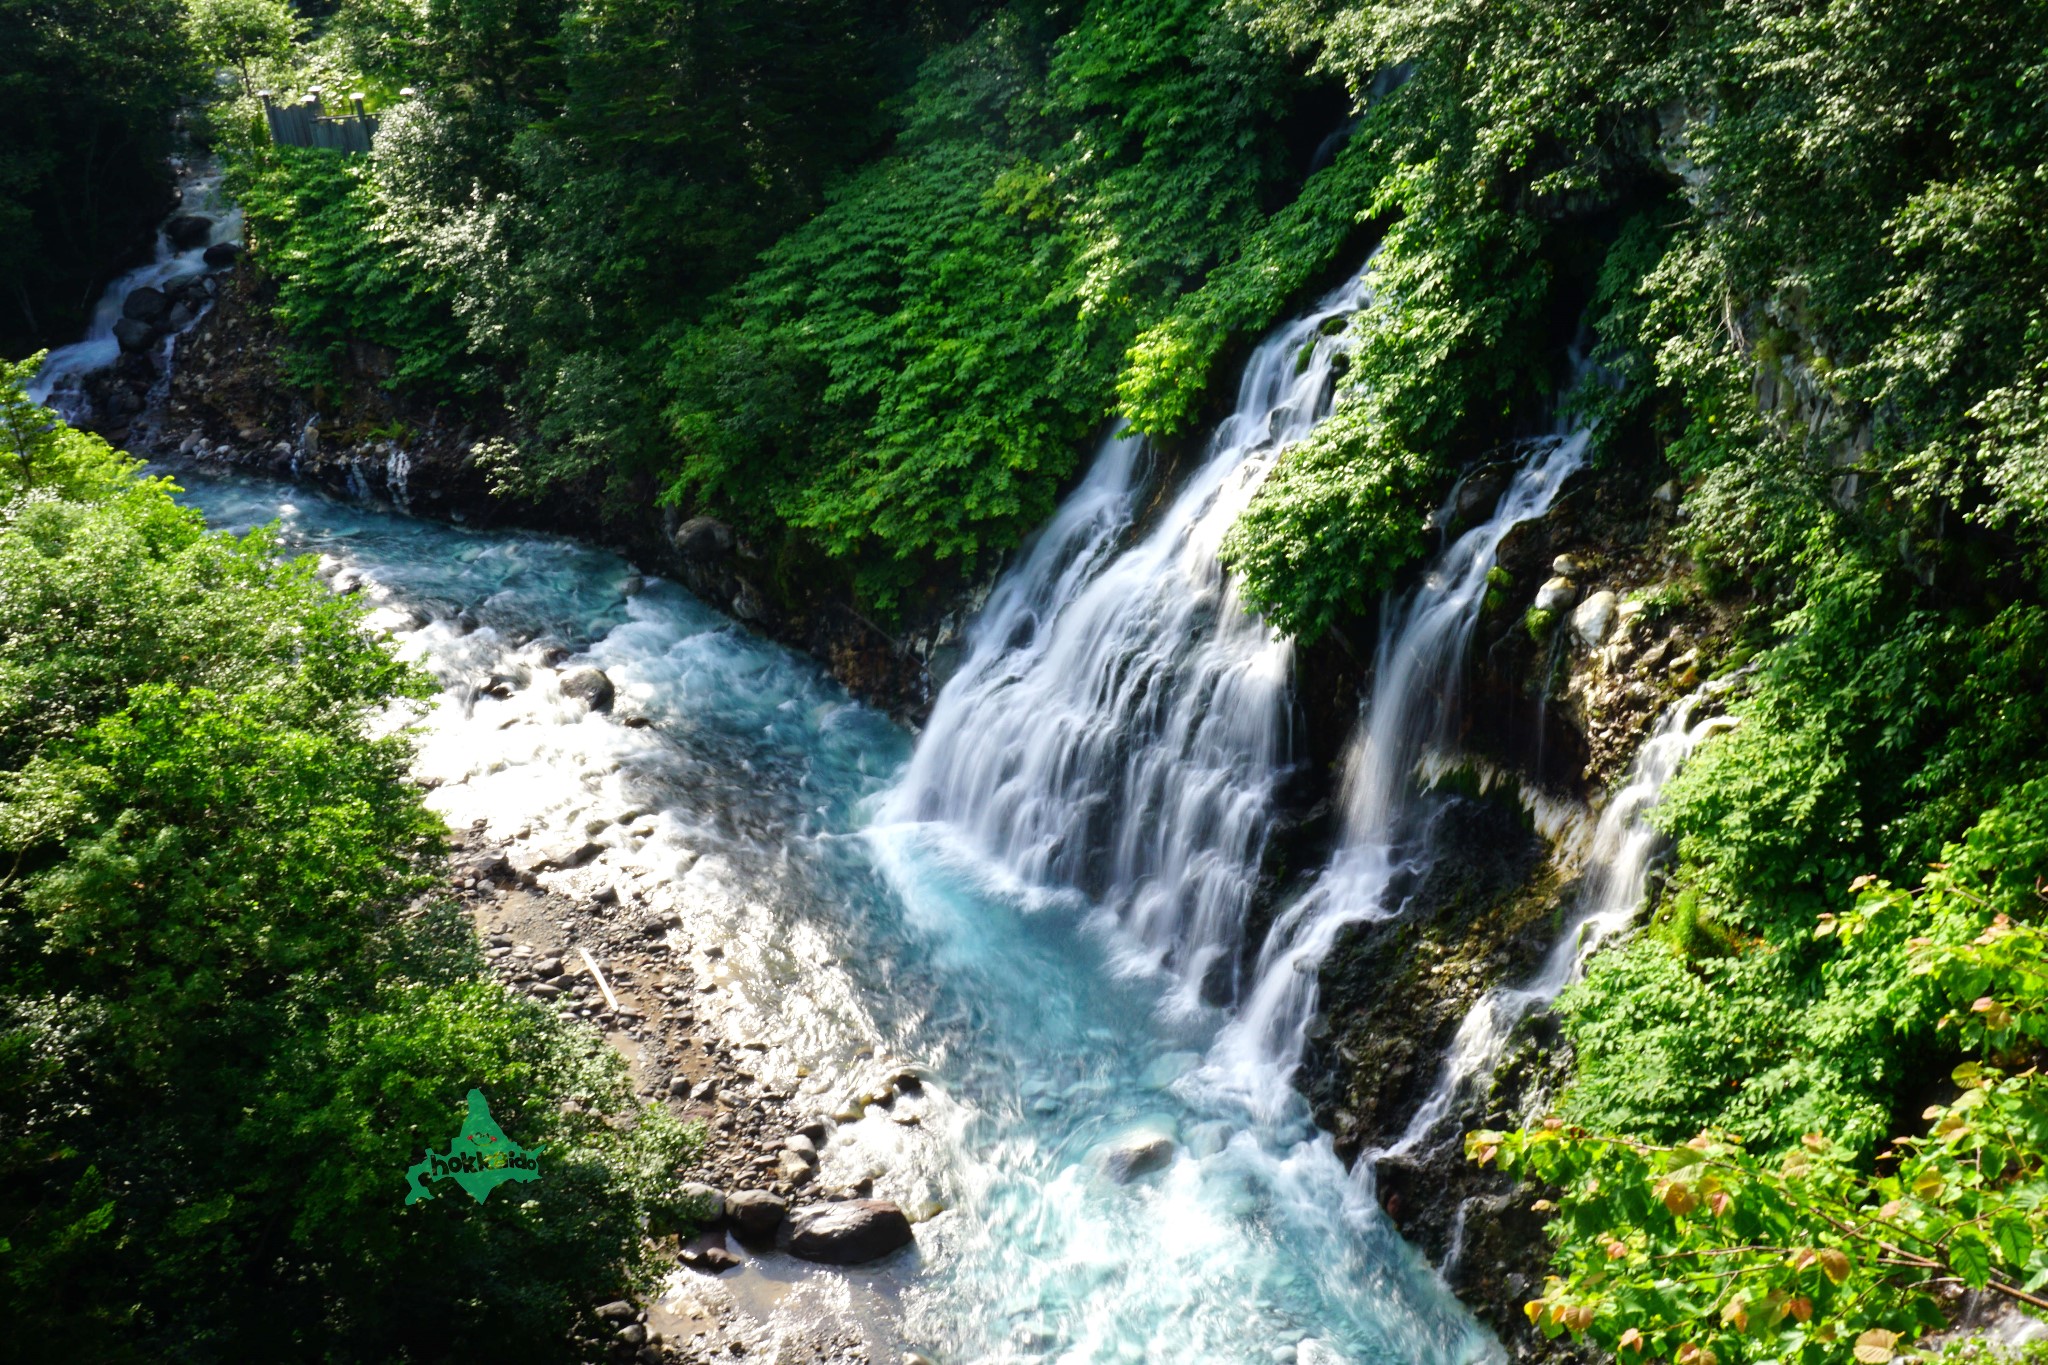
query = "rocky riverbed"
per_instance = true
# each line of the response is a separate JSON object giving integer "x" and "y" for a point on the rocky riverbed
{"x": 556, "y": 927}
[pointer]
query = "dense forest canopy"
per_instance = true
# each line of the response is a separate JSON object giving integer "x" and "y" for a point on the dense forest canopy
{"x": 867, "y": 280}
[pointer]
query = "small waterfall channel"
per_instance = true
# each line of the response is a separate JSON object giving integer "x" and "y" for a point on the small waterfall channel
{"x": 60, "y": 383}
{"x": 1617, "y": 877}
{"x": 1414, "y": 700}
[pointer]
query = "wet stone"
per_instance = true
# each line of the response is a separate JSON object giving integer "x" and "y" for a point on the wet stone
{"x": 849, "y": 1233}
{"x": 1137, "y": 1155}
{"x": 756, "y": 1213}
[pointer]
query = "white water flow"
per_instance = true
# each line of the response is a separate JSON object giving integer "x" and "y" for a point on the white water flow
{"x": 1618, "y": 867}
{"x": 1414, "y": 701}
{"x": 59, "y": 383}
{"x": 1121, "y": 718}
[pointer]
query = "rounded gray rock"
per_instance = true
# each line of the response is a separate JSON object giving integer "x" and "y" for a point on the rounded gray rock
{"x": 1136, "y": 1155}
{"x": 590, "y": 686}
{"x": 849, "y": 1233}
{"x": 756, "y": 1213}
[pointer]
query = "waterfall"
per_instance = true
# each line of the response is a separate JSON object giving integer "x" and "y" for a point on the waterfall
{"x": 1623, "y": 844}
{"x": 60, "y": 382}
{"x": 1121, "y": 718}
{"x": 1414, "y": 702}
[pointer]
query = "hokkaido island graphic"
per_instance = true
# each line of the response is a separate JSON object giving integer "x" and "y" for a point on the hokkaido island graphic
{"x": 480, "y": 1158}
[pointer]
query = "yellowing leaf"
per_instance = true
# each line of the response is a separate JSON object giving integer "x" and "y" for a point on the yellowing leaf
{"x": 1678, "y": 1198}
{"x": 1834, "y": 1263}
{"x": 1874, "y": 1347}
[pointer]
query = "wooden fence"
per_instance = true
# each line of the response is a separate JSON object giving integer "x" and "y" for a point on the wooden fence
{"x": 308, "y": 124}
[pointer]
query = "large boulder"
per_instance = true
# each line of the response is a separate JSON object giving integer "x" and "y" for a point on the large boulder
{"x": 146, "y": 305}
{"x": 133, "y": 335}
{"x": 221, "y": 255}
{"x": 188, "y": 230}
{"x": 703, "y": 539}
{"x": 756, "y": 1213}
{"x": 850, "y": 1233}
{"x": 590, "y": 686}
{"x": 1594, "y": 619}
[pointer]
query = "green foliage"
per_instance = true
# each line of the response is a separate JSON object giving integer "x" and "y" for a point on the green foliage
{"x": 231, "y": 1013}
{"x": 319, "y": 222}
{"x": 242, "y": 33}
{"x": 1448, "y": 340}
{"x": 86, "y": 93}
{"x": 1725, "y": 1250}
{"x": 909, "y": 376}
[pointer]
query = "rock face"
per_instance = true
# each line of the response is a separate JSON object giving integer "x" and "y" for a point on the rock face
{"x": 701, "y": 540}
{"x": 590, "y": 686}
{"x": 188, "y": 230}
{"x": 849, "y": 1233}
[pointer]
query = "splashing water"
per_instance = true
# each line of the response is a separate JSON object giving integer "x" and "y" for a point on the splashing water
{"x": 1416, "y": 670}
{"x": 1121, "y": 719}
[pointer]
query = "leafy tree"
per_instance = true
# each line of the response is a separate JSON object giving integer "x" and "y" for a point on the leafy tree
{"x": 1719, "y": 1249}
{"x": 86, "y": 93}
{"x": 240, "y": 33}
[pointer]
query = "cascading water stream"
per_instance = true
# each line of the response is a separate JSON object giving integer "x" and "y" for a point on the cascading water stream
{"x": 59, "y": 383}
{"x": 1417, "y": 665}
{"x": 1121, "y": 719}
{"x": 1623, "y": 843}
